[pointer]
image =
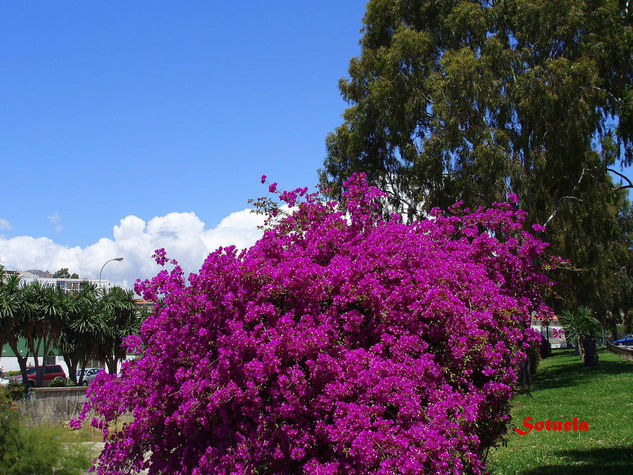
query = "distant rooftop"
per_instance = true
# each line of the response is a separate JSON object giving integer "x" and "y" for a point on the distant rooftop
{"x": 40, "y": 273}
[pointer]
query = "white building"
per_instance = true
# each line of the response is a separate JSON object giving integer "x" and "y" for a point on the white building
{"x": 552, "y": 331}
{"x": 67, "y": 284}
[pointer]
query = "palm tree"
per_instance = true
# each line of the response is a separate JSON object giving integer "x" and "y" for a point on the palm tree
{"x": 44, "y": 323}
{"x": 82, "y": 327}
{"x": 122, "y": 318}
{"x": 13, "y": 309}
{"x": 581, "y": 327}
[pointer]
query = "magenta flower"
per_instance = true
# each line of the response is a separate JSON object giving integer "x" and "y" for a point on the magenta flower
{"x": 340, "y": 342}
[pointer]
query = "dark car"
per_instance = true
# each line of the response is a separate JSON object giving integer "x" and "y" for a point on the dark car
{"x": 627, "y": 340}
{"x": 50, "y": 372}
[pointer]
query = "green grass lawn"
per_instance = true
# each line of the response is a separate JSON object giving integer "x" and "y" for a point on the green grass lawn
{"x": 563, "y": 389}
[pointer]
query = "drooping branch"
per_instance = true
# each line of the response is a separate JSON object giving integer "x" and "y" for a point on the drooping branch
{"x": 621, "y": 187}
{"x": 560, "y": 201}
{"x": 567, "y": 197}
{"x": 582, "y": 175}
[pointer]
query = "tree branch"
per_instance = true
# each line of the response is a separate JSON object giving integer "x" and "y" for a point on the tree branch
{"x": 558, "y": 207}
{"x": 567, "y": 197}
{"x": 621, "y": 187}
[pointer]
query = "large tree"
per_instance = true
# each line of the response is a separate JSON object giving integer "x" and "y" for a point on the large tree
{"x": 469, "y": 100}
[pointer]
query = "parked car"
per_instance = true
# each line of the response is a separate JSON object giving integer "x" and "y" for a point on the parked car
{"x": 627, "y": 340}
{"x": 4, "y": 382}
{"x": 89, "y": 377}
{"x": 50, "y": 372}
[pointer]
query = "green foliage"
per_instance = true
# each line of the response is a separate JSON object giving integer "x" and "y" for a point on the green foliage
{"x": 41, "y": 450}
{"x": 469, "y": 100}
{"x": 84, "y": 324}
{"x": 96, "y": 324}
{"x": 9, "y": 426}
{"x": 64, "y": 273}
{"x": 61, "y": 273}
{"x": 16, "y": 391}
{"x": 14, "y": 311}
{"x": 581, "y": 327}
{"x": 42, "y": 318}
{"x": 61, "y": 383}
{"x": 579, "y": 324}
{"x": 120, "y": 317}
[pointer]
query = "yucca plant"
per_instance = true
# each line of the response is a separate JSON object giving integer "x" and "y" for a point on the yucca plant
{"x": 581, "y": 327}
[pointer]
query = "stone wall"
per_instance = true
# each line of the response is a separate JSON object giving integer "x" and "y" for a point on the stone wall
{"x": 622, "y": 351}
{"x": 53, "y": 404}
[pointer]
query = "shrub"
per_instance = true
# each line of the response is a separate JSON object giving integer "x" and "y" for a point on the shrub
{"x": 34, "y": 449}
{"x": 340, "y": 342}
{"x": 61, "y": 383}
{"x": 9, "y": 424}
{"x": 16, "y": 391}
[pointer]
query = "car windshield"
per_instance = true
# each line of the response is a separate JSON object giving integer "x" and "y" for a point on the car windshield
{"x": 30, "y": 371}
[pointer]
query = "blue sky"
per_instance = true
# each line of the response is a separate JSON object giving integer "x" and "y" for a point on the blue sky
{"x": 126, "y": 126}
{"x": 144, "y": 108}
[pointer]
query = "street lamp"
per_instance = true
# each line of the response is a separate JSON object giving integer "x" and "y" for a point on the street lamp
{"x": 115, "y": 259}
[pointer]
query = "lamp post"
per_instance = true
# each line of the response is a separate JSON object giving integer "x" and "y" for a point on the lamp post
{"x": 114, "y": 259}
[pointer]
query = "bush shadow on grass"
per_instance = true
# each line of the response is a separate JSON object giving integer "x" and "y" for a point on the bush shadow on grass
{"x": 592, "y": 461}
{"x": 565, "y": 375}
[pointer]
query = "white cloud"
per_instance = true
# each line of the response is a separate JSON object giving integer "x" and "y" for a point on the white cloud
{"x": 183, "y": 235}
{"x": 56, "y": 220}
{"x": 5, "y": 225}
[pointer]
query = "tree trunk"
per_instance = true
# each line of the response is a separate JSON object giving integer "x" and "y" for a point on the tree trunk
{"x": 72, "y": 367}
{"x": 35, "y": 350}
{"x": 42, "y": 370}
{"x": 21, "y": 359}
{"x": 580, "y": 348}
{"x": 590, "y": 351}
{"x": 546, "y": 347}
{"x": 614, "y": 331}
{"x": 84, "y": 363}
{"x": 112, "y": 364}
{"x": 525, "y": 377}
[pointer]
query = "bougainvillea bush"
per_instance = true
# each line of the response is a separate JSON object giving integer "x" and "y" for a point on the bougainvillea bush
{"x": 340, "y": 342}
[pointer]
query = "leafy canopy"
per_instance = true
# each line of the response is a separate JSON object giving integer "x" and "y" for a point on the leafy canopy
{"x": 458, "y": 99}
{"x": 470, "y": 100}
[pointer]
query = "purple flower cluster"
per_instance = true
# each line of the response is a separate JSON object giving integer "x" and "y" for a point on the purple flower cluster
{"x": 339, "y": 343}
